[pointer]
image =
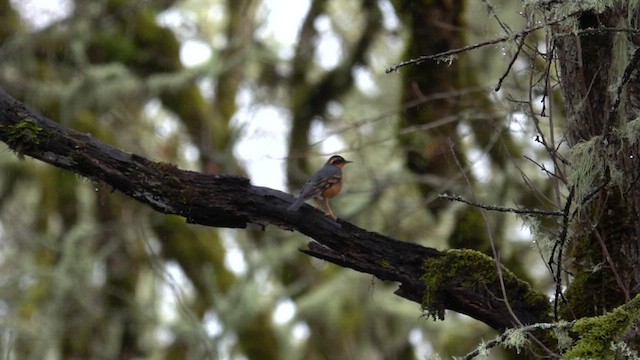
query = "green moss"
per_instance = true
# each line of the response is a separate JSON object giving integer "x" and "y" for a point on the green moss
{"x": 21, "y": 136}
{"x": 383, "y": 263}
{"x": 455, "y": 267}
{"x": 475, "y": 271}
{"x": 598, "y": 333}
{"x": 468, "y": 268}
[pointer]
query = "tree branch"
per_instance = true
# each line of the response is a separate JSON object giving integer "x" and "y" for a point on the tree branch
{"x": 437, "y": 280}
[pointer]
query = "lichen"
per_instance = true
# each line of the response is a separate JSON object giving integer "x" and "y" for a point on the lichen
{"x": 593, "y": 162}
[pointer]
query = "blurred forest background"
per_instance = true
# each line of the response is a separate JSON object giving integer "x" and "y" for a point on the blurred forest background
{"x": 268, "y": 89}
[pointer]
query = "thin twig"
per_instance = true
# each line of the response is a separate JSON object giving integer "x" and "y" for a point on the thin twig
{"x": 547, "y": 76}
{"x": 451, "y": 52}
{"x": 543, "y": 168}
{"x": 560, "y": 244}
{"x": 502, "y": 24}
{"x": 513, "y": 60}
{"x": 500, "y": 208}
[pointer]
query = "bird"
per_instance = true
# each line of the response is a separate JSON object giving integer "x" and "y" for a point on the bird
{"x": 325, "y": 184}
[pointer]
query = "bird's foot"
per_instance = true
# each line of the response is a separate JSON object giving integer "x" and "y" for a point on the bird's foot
{"x": 330, "y": 214}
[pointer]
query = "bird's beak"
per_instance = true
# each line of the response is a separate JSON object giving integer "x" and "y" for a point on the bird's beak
{"x": 347, "y": 162}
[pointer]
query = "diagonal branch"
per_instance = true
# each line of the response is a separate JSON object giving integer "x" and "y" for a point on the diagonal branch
{"x": 460, "y": 280}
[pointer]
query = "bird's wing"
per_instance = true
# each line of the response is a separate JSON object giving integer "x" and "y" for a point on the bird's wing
{"x": 326, "y": 177}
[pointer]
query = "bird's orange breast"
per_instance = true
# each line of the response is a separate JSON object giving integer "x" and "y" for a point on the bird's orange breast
{"x": 334, "y": 189}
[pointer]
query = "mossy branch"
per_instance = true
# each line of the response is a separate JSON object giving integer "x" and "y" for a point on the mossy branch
{"x": 231, "y": 201}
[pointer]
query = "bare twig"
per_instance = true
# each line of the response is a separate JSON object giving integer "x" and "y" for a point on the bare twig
{"x": 500, "y": 208}
{"x": 560, "y": 245}
{"x": 547, "y": 75}
{"x": 447, "y": 53}
{"x": 543, "y": 168}
{"x": 492, "y": 10}
{"x": 451, "y": 52}
{"x": 513, "y": 60}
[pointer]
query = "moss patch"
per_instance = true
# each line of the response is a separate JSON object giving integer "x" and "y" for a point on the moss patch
{"x": 476, "y": 272}
{"x": 21, "y": 136}
{"x": 598, "y": 333}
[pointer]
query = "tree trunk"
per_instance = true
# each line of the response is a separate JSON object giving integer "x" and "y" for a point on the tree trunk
{"x": 601, "y": 110}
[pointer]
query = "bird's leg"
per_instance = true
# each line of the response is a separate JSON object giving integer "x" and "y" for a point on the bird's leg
{"x": 323, "y": 205}
{"x": 329, "y": 212}
{"x": 319, "y": 201}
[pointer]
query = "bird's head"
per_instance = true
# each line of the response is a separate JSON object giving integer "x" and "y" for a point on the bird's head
{"x": 338, "y": 161}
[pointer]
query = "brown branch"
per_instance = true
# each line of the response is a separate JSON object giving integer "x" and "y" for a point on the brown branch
{"x": 231, "y": 201}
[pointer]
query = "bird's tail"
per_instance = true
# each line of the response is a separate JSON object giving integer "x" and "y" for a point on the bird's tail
{"x": 296, "y": 204}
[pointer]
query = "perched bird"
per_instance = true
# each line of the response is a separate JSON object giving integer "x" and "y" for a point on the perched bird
{"x": 323, "y": 185}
